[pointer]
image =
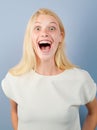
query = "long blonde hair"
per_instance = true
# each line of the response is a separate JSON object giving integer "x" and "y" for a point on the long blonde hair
{"x": 28, "y": 61}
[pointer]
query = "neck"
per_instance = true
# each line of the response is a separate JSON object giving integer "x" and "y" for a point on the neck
{"x": 47, "y": 68}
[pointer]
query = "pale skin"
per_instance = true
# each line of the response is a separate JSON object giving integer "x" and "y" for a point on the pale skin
{"x": 46, "y": 29}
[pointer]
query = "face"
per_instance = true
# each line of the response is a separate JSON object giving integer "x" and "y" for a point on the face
{"x": 46, "y": 36}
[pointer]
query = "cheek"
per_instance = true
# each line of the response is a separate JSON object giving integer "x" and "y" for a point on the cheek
{"x": 33, "y": 37}
{"x": 57, "y": 38}
{"x": 33, "y": 40}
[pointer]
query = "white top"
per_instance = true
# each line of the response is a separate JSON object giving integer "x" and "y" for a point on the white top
{"x": 50, "y": 102}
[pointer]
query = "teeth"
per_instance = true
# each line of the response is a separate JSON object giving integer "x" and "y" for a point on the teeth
{"x": 43, "y": 42}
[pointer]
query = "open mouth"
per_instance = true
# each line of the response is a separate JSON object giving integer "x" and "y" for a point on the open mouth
{"x": 44, "y": 46}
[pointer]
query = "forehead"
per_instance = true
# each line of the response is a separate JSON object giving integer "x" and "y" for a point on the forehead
{"x": 45, "y": 18}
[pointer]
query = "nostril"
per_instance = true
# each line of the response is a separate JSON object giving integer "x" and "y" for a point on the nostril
{"x": 44, "y": 35}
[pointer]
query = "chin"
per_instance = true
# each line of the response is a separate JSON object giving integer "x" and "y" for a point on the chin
{"x": 45, "y": 58}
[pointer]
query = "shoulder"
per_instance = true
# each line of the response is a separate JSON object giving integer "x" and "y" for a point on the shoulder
{"x": 10, "y": 77}
{"x": 81, "y": 74}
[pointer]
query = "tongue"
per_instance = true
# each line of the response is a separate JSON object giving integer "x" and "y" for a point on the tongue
{"x": 45, "y": 49}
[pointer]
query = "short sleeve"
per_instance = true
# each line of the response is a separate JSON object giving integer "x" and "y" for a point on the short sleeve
{"x": 8, "y": 87}
{"x": 88, "y": 89}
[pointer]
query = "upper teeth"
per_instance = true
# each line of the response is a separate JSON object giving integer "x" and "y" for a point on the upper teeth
{"x": 41, "y": 42}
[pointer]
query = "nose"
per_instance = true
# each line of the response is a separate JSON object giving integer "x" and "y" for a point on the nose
{"x": 44, "y": 33}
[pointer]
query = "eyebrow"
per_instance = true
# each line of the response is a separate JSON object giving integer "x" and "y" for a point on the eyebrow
{"x": 37, "y": 22}
{"x": 54, "y": 22}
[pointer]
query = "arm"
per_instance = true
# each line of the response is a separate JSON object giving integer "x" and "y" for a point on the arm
{"x": 14, "y": 116}
{"x": 91, "y": 119}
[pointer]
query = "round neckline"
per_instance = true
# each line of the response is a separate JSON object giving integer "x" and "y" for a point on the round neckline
{"x": 52, "y": 76}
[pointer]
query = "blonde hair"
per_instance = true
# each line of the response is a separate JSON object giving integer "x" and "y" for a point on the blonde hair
{"x": 28, "y": 61}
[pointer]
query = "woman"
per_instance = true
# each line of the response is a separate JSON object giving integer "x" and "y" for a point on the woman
{"x": 45, "y": 89}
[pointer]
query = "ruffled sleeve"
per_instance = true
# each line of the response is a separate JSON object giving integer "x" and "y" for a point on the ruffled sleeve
{"x": 9, "y": 88}
{"x": 88, "y": 89}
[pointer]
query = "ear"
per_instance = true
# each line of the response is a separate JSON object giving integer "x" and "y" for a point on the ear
{"x": 61, "y": 36}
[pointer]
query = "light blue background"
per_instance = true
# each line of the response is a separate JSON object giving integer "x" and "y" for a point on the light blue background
{"x": 80, "y": 21}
